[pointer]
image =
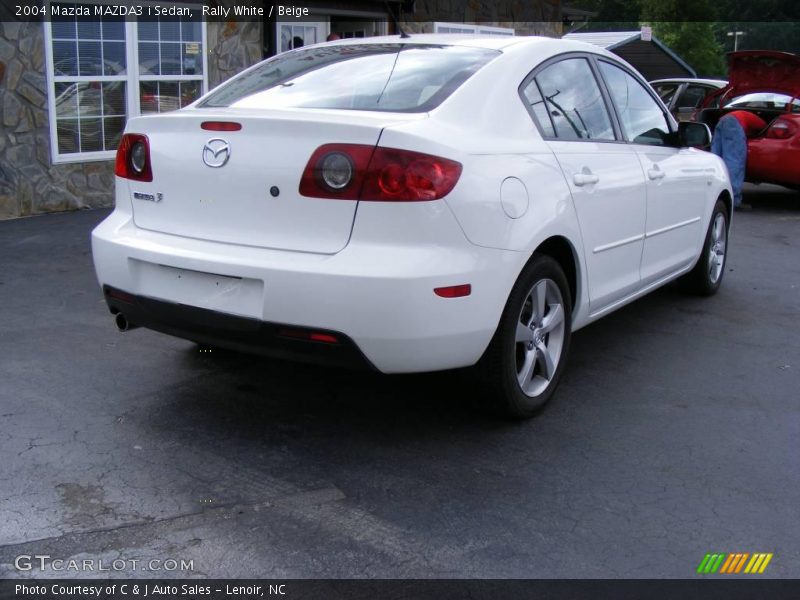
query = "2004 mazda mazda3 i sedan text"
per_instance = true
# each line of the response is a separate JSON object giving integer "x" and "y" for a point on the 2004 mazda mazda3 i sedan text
{"x": 414, "y": 204}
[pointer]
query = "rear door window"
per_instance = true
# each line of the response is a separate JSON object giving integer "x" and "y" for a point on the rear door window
{"x": 566, "y": 101}
{"x": 375, "y": 77}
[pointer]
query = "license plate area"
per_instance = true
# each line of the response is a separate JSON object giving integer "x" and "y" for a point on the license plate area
{"x": 234, "y": 295}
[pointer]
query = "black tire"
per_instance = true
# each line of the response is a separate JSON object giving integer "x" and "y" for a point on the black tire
{"x": 506, "y": 357}
{"x": 706, "y": 276}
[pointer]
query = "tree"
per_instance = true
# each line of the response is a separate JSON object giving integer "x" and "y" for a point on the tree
{"x": 693, "y": 38}
{"x": 696, "y": 43}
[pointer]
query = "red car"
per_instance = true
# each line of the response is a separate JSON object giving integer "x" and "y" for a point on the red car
{"x": 766, "y": 83}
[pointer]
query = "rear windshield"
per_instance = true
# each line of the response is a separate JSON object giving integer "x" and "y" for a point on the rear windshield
{"x": 378, "y": 77}
{"x": 769, "y": 100}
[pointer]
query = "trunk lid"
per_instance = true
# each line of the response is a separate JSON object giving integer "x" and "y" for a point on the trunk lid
{"x": 762, "y": 70}
{"x": 252, "y": 199}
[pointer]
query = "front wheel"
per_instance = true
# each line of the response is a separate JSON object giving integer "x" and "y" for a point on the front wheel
{"x": 523, "y": 364}
{"x": 706, "y": 277}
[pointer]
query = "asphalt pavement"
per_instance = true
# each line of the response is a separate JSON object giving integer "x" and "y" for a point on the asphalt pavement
{"x": 675, "y": 432}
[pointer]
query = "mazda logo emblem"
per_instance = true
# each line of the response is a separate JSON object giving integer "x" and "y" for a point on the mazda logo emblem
{"x": 216, "y": 153}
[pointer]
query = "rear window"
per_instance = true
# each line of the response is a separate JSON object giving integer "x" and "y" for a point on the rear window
{"x": 769, "y": 100}
{"x": 377, "y": 77}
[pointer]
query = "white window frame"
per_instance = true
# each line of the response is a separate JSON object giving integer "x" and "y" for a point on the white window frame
{"x": 325, "y": 22}
{"x": 131, "y": 79}
{"x": 470, "y": 29}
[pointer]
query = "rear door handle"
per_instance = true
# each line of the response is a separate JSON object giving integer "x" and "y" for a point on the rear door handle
{"x": 581, "y": 179}
{"x": 655, "y": 173}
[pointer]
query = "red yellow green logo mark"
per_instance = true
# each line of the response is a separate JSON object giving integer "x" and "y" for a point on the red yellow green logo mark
{"x": 734, "y": 562}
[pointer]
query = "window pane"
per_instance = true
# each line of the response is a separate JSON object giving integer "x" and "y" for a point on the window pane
{"x": 170, "y": 59}
{"x": 574, "y": 101}
{"x": 641, "y": 118}
{"x": 65, "y": 58}
{"x": 310, "y": 35}
{"x": 112, "y": 131}
{"x": 148, "y": 30}
{"x": 170, "y": 31}
{"x": 536, "y": 102}
{"x": 114, "y": 98}
{"x": 168, "y": 98}
{"x": 88, "y": 30}
{"x": 67, "y": 134}
{"x": 90, "y": 62}
{"x": 286, "y": 38}
{"x": 190, "y": 91}
{"x": 191, "y": 31}
{"x": 113, "y": 30}
{"x": 66, "y": 100}
{"x": 148, "y": 59}
{"x": 148, "y": 97}
{"x": 91, "y": 135}
{"x": 64, "y": 29}
{"x": 113, "y": 58}
{"x": 89, "y": 99}
{"x": 192, "y": 61}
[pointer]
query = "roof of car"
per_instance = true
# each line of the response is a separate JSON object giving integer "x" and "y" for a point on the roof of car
{"x": 494, "y": 42}
{"x": 719, "y": 83}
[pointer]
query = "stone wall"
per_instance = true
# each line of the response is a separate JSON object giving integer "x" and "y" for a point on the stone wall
{"x": 233, "y": 47}
{"x": 29, "y": 183}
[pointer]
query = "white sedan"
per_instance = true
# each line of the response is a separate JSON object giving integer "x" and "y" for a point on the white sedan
{"x": 413, "y": 204}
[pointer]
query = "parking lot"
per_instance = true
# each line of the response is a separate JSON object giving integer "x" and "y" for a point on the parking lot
{"x": 675, "y": 432}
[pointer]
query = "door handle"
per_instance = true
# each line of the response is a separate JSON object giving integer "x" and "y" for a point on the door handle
{"x": 581, "y": 179}
{"x": 655, "y": 173}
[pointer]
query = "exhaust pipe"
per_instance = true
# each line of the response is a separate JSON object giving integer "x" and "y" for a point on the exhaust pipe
{"x": 122, "y": 323}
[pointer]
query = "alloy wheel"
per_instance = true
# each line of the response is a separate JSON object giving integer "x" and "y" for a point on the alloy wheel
{"x": 719, "y": 237}
{"x": 539, "y": 337}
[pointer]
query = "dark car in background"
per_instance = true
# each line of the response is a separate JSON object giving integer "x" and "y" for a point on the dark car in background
{"x": 683, "y": 97}
{"x": 766, "y": 83}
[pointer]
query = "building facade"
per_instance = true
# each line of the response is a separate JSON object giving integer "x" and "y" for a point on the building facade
{"x": 67, "y": 87}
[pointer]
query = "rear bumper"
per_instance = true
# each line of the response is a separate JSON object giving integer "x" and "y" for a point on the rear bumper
{"x": 376, "y": 294}
{"x": 236, "y": 333}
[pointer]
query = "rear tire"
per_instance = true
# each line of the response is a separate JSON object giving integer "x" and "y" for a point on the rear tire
{"x": 522, "y": 366}
{"x": 706, "y": 277}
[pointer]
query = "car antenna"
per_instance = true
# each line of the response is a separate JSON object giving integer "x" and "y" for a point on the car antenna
{"x": 402, "y": 31}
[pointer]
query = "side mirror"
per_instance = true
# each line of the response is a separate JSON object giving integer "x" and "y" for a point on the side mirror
{"x": 693, "y": 135}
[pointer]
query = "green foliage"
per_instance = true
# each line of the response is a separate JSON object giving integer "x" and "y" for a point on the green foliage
{"x": 696, "y": 43}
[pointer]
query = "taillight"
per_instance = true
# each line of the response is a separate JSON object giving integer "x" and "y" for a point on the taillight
{"x": 133, "y": 158}
{"x": 360, "y": 172}
{"x": 336, "y": 171}
{"x": 781, "y": 129}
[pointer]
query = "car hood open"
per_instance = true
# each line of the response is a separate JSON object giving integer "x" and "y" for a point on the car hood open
{"x": 762, "y": 71}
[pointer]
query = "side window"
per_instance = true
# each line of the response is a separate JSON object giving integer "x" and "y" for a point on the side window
{"x": 692, "y": 96}
{"x": 641, "y": 118}
{"x": 534, "y": 99}
{"x": 569, "y": 94}
{"x": 666, "y": 91}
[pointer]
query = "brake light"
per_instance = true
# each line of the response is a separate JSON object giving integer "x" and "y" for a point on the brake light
{"x": 133, "y": 158}
{"x": 781, "y": 129}
{"x": 221, "y": 126}
{"x": 361, "y": 172}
